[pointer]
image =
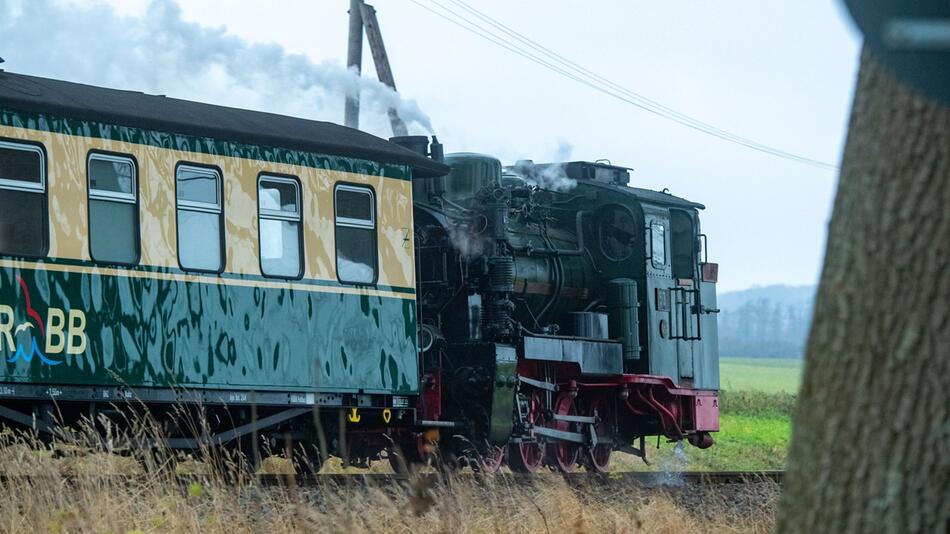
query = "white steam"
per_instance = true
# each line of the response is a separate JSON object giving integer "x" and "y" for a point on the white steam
{"x": 161, "y": 53}
{"x": 466, "y": 240}
{"x": 673, "y": 466}
{"x": 563, "y": 151}
{"x": 554, "y": 178}
{"x": 550, "y": 176}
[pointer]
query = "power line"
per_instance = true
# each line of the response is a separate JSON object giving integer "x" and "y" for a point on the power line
{"x": 570, "y": 64}
{"x": 592, "y": 79}
{"x": 495, "y": 32}
{"x": 632, "y": 97}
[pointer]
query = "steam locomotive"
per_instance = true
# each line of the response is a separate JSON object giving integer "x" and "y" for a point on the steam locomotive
{"x": 247, "y": 279}
{"x": 563, "y": 313}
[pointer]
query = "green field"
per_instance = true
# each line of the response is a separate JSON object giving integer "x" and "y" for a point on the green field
{"x": 760, "y": 374}
{"x": 756, "y": 400}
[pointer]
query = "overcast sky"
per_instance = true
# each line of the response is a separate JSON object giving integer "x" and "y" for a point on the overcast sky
{"x": 781, "y": 73}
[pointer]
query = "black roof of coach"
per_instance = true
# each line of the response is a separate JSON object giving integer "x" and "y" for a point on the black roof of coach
{"x": 140, "y": 110}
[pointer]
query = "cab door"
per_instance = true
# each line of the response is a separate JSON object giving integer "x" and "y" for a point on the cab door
{"x": 660, "y": 327}
{"x": 685, "y": 297}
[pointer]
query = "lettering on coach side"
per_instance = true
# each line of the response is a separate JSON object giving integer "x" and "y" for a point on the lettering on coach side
{"x": 63, "y": 331}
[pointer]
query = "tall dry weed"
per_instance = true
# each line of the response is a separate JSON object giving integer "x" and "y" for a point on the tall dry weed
{"x": 83, "y": 483}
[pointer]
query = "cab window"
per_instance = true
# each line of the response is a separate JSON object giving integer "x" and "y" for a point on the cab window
{"x": 617, "y": 232}
{"x": 356, "y": 252}
{"x": 658, "y": 244}
{"x": 682, "y": 244}
{"x": 23, "y": 206}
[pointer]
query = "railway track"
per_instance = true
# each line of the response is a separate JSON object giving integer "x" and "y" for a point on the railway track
{"x": 642, "y": 478}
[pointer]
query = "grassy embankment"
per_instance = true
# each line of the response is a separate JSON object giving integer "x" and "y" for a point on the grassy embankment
{"x": 757, "y": 398}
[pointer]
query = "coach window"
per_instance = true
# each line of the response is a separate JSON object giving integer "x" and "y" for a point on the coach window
{"x": 200, "y": 240}
{"x": 278, "y": 201}
{"x": 23, "y": 213}
{"x": 355, "y": 234}
{"x": 113, "y": 209}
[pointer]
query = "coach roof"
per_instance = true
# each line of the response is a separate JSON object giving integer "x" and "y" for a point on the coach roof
{"x": 140, "y": 110}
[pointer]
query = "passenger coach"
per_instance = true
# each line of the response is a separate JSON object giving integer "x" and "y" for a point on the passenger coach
{"x": 163, "y": 250}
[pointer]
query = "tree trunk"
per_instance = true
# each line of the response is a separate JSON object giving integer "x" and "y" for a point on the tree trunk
{"x": 870, "y": 449}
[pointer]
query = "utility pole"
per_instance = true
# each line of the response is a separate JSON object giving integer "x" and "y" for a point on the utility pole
{"x": 354, "y": 58}
{"x": 364, "y": 16}
{"x": 383, "y": 70}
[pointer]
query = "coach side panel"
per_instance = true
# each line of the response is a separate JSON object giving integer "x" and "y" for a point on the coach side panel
{"x": 66, "y": 319}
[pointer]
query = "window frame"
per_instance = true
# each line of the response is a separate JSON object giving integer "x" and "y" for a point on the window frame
{"x": 653, "y": 259}
{"x": 201, "y": 207}
{"x": 40, "y": 189}
{"x": 110, "y": 196}
{"x": 600, "y": 231}
{"x": 279, "y": 215}
{"x": 693, "y": 242}
{"x": 347, "y": 222}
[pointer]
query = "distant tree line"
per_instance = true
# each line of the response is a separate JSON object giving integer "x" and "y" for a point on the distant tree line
{"x": 763, "y": 328}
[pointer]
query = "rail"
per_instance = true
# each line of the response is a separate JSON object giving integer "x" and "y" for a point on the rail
{"x": 642, "y": 478}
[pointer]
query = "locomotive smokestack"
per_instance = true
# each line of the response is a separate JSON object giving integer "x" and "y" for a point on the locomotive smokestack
{"x": 436, "y": 151}
{"x": 420, "y": 145}
{"x": 417, "y": 143}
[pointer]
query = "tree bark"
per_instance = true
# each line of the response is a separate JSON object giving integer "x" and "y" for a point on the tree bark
{"x": 871, "y": 432}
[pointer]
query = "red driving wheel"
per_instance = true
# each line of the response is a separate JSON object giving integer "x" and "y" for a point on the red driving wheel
{"x": 565, "y": 453}
{"x": 526, "y": 457}
{"x": 599, "y": 456}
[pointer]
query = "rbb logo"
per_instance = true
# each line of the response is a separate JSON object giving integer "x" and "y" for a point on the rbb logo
{"x": 63, "y": 331}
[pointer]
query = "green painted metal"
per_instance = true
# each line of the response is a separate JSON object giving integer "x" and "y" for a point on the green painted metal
{"x": 503, "y": 398}
{"x": 156, "y": 331}
{"x": 583, "y": 280}
{"x": 470, "y": 173}
{"x": 201, "y": 145}
{"x": 623, "y": 310}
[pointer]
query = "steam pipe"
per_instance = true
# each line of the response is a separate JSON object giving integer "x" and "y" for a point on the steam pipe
{"x": 650, "y": 400}
{"x": 558, "y": 281}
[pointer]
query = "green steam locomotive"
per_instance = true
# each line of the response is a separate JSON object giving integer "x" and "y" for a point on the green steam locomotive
{"x": 563, "y": 313}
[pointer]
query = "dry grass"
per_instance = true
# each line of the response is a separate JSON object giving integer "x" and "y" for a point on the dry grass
{"x": 84, "y": 487}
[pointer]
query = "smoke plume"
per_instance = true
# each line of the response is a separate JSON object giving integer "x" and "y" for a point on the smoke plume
{"x": 161, "y": 53}
{"x": 550, "y": 176}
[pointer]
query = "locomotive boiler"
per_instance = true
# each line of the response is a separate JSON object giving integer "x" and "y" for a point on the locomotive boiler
{"x": 563, "y": 313}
